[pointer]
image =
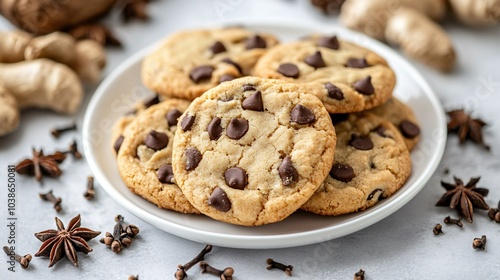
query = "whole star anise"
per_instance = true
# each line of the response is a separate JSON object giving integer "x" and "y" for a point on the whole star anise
{"x": 466, "y": 127}
{"x": 41, "y": 165}
{"x": 464, "y": 198}
{"x": 97, "y": 32}
{"x": 65, "y": 242}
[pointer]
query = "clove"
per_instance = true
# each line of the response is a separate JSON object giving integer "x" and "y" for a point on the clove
{"x": 286, "y": 268}
{"x": 73, "y": 150}
{"x": 181, "y": 270}
{"x": 56, "y": 132}
{"x": 449, "y": 220}
{"x": 479, "y": 243}
{"x": 360, "y": 275}
{"x": 55, "y": 200}
{"x": 437, "y": 229}
{"x": 225, "y": 274}
{"x": 122, "y": 236}
{"x": 90, "y": 192}
{"x": 133, "y": 277}
{"x": 24, "y": 261}
{"x": 494, "y": 213}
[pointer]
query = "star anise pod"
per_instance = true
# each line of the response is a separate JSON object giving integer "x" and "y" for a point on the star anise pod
{"x": 466, "y": 127}
{"x": 65, "y": 242}
{"x": 135, "y": 9}
{"x": 41, "y": 165}
{"x": 328, "y": 6}
{"x": 96, "y": 32}
{"x": 464, "y": 198}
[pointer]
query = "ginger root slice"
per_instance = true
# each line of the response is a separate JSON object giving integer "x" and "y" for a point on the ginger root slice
{"x": 9, "y": 112}
{"x": 422, "y": 39}
{"x": 57, "y": 46}
{"x": 12, "y": 45}
{"x": 43, "y": 83}
{"x": 477, "y": 12}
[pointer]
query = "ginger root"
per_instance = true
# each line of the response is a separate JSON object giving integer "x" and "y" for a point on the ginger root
{"x": 12, "y": 45}
{"x": 42, "y": 83}
{"x": 90, "y": 61}
{"x": 57, "y": 46}
{"x": 477, "y": 12}
{"x": 9, "y": 112}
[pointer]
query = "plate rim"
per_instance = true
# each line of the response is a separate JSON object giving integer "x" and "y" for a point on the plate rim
{"x": 280, "y": 240}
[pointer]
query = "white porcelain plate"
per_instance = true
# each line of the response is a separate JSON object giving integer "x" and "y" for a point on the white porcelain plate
{"x": 123, "y": 88}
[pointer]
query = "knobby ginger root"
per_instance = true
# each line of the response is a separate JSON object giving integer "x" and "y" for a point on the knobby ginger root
{"x": 477, "y": 12}
{"x": 90, "y": 61}
{"x": 421, "y": 38}
{"x": 42, "y": 83}
{"x": 9, "y": 112}
{"x": 12, "y": 45}
{"x": 57, "y": 46}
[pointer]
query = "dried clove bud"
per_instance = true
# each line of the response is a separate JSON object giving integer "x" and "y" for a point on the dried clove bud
{"x": 360, "y": 275}
{"x": 56, "y": 132}
{"x": 449, "y": 220}
{"x": 89, "y": 194}
{"x": 133, "y": 277}
{"x": 437, "y": 229}
{"x": 181, "y": 270}
{"x": 122, "y": 236}
{"x": 55, "y": 200}
{"x": 225, "y": 274}
{"x": 24, "y": 261}
{"x": 479, "y": 243}
{"x": 73, "y": 150}
{"x": 286, "y": 268}
{"x": 494, "y": 213}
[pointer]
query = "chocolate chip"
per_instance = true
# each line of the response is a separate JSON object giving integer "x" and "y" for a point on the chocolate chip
{"x": 409, "y": 129}
{"x": 334, "y": 92}
{"x": 226, "y": 78}
{"x": 214, "y": 128}
{"x": 329, "y": 42}
{"x": 118, "y": 143}
{"x": 217, "y": 47}
{"x": 219, "y": 200}
{"x": 357, "y": 63}
{"x": 156, "y": 140}
{"x": 287, "y": 172}
{"x": 193, "y": 158}
{"x": 236, "y": 65}
{"x": 361, "y": 142}
{"x": 372, "y": 194}
{"x": 201, "y": 73}
{"x": 237, "y": 128}
{"x": 380, "y": 130}
{"x": 248, "y": 87}
{"x": 289, "y": 70}
{"x": 253, "y": 102}
{"x": 187, "y": 122}
{"x": 302, "y": 115}
{"x": 364, "y": 86}
{"x": 166, "y": 174}
{"x": 315, "y": 60}
{"x": 236, "y": 178}
{"x": 153, "y": 101}
{"x": 172, "y": 116}
{"x": 342, "y": 172}
{"x": 338, "y": 118}
{"x": 255, "y": 42}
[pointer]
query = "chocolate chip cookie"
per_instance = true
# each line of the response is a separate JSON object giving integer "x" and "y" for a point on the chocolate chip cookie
{"x": 145, "y": 156}
{"x": 402, "y": 117}
{"x": 251, "y": 151}
{"x": 346, "y": 77}
{"x": 371, "y": 162}
{"x": 191, "y": 62}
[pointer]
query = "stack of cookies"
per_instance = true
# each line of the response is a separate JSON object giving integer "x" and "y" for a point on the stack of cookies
{"x": 247, "y": 131}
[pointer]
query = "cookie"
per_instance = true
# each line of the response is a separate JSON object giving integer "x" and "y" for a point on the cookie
{"x": 401, "y": 116}
{"x": 189, "y": 63}
{"x": 371, "y": 162}
{"x": 344, "y": 76}
{"x": 251, "y": 151}
{"x": 145, "y": 156}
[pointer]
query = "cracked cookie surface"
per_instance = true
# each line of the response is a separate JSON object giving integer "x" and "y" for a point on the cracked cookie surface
{"x": 252, "y": 151}
{"x": 344, "y": 76}
{"x": 191, "y": 62}
{"x": 145, "y": 156}
{"x": 371, "y": 162}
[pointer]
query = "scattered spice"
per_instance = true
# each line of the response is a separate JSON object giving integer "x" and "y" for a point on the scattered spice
{"x": 96, "y": 32}
{"x": 225, "y": 274}
{"x": 446, "y": 171}
{"x": 181, "y": 270}
{"x": 56, "y": 132}
{"x": 65, "y": 242}
{"x": 135, "y": 9}
{"x": 360, "y": 275}
{"x": 438, "y": 229}
{"x": 24, "y": 261}
{"x": 466, "y": 127}
{"x": 90, "y": 192}
{"x": 133, "y": 277}
{"x": 54, "y": 200}
{"x": 494, "y": 213}
{"x": 73, "y": 150}
{"x": 479, "y": 243}
{"x": 273, "y": 264}
{"x": 122, "y": 236}
{"x": 328, "y": 6}
{"x": 449, "y": 220}
{"x": 41, "y": 165}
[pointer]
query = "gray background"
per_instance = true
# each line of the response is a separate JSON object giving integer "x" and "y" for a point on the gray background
{"x": 401, "y": 246}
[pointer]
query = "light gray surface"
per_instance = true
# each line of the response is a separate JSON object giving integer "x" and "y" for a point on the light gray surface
{"x": 401, "y": 246}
